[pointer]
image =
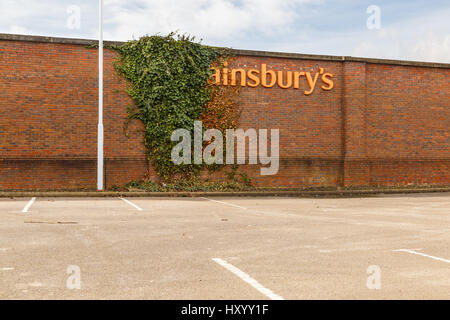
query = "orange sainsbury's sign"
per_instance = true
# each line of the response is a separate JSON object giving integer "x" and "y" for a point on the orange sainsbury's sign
{"x": 268, "y": 78}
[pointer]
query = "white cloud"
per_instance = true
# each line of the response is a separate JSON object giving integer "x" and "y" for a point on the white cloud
{"x": 432, "y": 46}
{"x": 211, "y": 19}
{"x": 367, "y": 49}
{"x": 17, "y": 29}
{"x": 47, "y": 17}
{"x": 306, "y": 26}
{"x": 422, "y": 38}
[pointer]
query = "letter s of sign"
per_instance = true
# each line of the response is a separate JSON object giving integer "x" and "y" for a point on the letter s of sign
{"x": 326, "y": 78}
{"x": 253, "y": 75}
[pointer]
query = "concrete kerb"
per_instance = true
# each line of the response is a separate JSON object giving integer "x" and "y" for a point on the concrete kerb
{"x": 181, "y": 194}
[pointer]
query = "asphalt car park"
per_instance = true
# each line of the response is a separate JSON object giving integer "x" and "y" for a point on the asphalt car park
{"x": 383, "y": 247}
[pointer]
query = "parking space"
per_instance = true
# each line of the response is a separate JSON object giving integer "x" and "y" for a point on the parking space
{"x": 390, "y": 247}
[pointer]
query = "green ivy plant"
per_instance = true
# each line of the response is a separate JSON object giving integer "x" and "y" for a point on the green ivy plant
{"x": 168, "y": 77}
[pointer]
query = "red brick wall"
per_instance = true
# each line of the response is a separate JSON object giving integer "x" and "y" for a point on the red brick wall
{"x": 401, "y": 126}
{"x": 382, "y": 124}
{"x": 310, "y": 126}
{"x": 49, "y": 104}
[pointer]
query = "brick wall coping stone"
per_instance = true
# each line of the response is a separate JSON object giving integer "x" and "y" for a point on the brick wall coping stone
{"x": 43, "y": 39}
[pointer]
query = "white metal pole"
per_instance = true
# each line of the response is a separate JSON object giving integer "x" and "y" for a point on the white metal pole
{"x": 100, "y": 100}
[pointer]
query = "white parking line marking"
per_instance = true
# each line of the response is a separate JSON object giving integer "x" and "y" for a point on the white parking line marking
{"x": 29, "y": 204}
{"x": 422, "y": 254}
{"x": 131, "y": 204}
{"x": 245, "y": 277}
{"x": 225, "y": 203}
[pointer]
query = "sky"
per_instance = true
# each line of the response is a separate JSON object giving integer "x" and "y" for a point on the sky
{"x": 396, "y": 29}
